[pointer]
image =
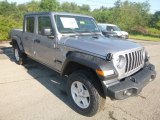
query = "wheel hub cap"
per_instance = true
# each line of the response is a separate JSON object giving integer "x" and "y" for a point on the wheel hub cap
{"x": 80, "y": 94}
{"x": 16, "y": 54}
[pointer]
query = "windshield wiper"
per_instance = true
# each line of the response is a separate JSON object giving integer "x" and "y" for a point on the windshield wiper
{"x": 92, "y": 32}
{"x": 77, "y": 33}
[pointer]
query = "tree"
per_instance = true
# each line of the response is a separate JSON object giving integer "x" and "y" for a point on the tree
{"x": 155, "y": 20}
{"x": 66, "y": 6}
{"x": 6, "y": 24}
{"x": 118, "y": 4}
{"x": 7, "y": 8}
{"x": 85, "y": 8}
{"x": 49, "y": 5}
{"x": 128, "y": 15}
{"x": 33, "y": 6}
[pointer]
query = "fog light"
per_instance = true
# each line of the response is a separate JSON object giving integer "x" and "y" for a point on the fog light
{"x": 128, "y": 92}
{"x": 153, "y": 76}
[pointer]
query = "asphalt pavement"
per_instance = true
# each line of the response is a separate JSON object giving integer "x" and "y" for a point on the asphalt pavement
{"x": 35, "y": 92}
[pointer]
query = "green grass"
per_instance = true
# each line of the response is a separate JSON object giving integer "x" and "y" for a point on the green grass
{"x": 142, "y": 37}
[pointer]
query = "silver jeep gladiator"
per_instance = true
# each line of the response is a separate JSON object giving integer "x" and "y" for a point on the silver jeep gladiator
{"x": 95, "y": 66}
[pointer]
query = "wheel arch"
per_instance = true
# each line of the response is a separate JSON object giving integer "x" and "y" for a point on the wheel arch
{"x": 77, "y": 60}
{"x": 17, "y": 41}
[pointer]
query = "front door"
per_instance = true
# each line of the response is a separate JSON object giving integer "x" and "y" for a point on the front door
{"x": 44, "y": 46}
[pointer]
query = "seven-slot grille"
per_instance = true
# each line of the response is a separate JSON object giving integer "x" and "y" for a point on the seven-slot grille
{"x": 134, "y": 60}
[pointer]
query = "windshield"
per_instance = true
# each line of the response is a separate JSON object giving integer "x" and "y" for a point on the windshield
{"x": 113, "y": 28}
{"x": 75, "y": 24}
{"x": 102, "y": 27}
{"x": 116, "y": 28}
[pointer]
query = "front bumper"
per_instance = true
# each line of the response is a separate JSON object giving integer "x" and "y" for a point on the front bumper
{"x": 133, "y": 84}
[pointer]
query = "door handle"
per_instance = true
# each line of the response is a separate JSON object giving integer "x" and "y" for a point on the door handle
{"x": 37, "y": 41}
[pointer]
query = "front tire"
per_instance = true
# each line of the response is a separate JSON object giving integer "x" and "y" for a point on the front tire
{"x": 19, "y": 56}
{"x": 86, "y": 96}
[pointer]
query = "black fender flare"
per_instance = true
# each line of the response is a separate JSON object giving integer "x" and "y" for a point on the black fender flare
{"x": 90, "y": 61}
{"x": 16, "y": 39}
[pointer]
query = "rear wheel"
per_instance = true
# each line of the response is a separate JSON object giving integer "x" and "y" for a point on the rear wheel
{"x": 86, "y": 98}
{"x": 19, "y": 56}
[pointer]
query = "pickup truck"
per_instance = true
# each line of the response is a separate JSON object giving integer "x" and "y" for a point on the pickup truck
{"x": 112, "y": 30}
{"x": 95, "y": 66}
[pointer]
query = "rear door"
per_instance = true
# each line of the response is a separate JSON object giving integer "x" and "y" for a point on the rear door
{"x": 44, "y": 46}
{"x": 29, "y": 35}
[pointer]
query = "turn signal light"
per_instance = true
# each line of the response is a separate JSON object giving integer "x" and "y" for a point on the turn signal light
{"x": 104, "y": 73}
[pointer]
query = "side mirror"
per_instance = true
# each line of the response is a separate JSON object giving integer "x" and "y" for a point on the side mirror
{"x": 47, "y": 32}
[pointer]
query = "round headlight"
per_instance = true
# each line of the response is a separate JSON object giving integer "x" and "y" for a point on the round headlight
{"x": 120, "y": 62}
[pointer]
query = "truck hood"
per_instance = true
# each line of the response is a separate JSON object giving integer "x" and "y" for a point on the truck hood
{"x": 99, "y": 45}
{"x": 120, "y": 33}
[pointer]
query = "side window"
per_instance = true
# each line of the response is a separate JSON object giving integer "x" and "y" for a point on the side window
{"x": 44, "y": 22}
{"x": 30, "y": 24}
{"x": 109, "y": 28}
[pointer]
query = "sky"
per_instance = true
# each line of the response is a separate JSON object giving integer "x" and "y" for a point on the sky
{"x": 97, "y": 3}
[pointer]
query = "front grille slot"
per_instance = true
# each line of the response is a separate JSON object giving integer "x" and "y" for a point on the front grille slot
{"x": 133, "y": 60}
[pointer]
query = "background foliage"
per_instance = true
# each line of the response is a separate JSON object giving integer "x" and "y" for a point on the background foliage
{"x": 130, "y": 16}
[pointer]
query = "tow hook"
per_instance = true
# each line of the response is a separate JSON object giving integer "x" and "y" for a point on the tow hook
{"x": 133, "y": 79}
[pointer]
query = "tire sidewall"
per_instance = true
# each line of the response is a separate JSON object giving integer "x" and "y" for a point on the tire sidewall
{"x": 19, "y": 53}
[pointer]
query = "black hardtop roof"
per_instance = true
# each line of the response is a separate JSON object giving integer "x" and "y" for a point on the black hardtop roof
{"x": 55, "y": 13}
